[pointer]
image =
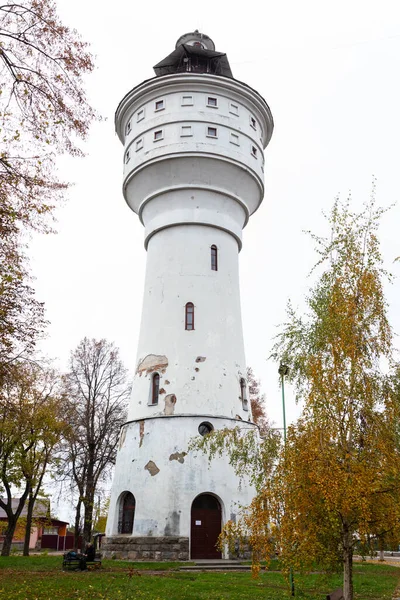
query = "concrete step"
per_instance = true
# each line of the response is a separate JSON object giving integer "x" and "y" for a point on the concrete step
{"x": 216, "y": 565}
{"x": 216, "y": 561}
{"x": 217, "y": 568}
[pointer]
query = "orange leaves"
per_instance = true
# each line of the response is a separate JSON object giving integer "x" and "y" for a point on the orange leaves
{"x": 338, "y": 479}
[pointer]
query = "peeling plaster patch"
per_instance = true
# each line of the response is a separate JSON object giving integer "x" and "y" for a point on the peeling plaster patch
{"x": 166, "y": 382}
{"x": 170, "y": 401}
{"x": 200, "y": 359}
{"x": 162, "y": 391}
{"x": 152, "y": 468}
{"x": 141, "y": 432}
{"x": 179, "y": 456}
{"x": 197, "y": 369}
{"x": 239, "y": 417}
{"x": 122, "y": 438}
{"x": 152, "y": 362}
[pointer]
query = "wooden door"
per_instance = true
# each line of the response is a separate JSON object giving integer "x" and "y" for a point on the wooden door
{"x": 205, "y": 527}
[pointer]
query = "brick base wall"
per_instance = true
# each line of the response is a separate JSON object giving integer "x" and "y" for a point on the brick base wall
{"x": 145, "y": 548}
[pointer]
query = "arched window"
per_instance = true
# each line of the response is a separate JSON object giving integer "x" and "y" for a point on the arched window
{"x": 155, "y": 388}
{"x": 243, "y": 394}
{"x": 189, "y": 316}
{"x": 214, "y": 258}
{"x": 126, "y": 513}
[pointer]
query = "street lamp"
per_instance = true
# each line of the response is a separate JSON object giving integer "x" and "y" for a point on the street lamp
{"x": 284, "y": 370}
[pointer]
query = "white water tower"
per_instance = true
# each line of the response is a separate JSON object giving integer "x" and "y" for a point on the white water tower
{"x": 193, "y": 141}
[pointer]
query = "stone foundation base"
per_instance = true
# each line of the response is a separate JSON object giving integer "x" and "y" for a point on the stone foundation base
{"x": 127, "y": 547}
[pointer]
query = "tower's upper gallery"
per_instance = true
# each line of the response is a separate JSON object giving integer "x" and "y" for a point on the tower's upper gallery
{"x": 194, "y": 53}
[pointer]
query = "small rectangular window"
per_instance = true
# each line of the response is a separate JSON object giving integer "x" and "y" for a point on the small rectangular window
{"x": 253, "y": 122}
{"x": 128, "y": 127}
{"x": 50, "y": 530}
{"x": 187, "y": 101}
{"x": 159, "y": 105}
{"x": 186, "y": 131}
{"x": 212, "y": 132}
{"x": 234, "y": 109}
{"x": 158, "y": 135}
{"x": 212, "y": 101}
{"x": 127, "y": 156}
{"x": 139, "y": 144}
{"x": 235, "y": 139}
{"x": 254, "y": 151}
{"x": 140, "y": 115}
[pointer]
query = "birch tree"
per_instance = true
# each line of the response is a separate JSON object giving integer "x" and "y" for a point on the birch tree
{"x": 338, "y": 480}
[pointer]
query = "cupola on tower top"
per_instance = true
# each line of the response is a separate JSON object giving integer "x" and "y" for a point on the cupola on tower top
{"x": 197, "y": 39}
{"x": 194, "y": 53}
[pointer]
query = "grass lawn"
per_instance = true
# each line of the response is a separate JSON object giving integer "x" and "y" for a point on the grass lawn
{"x": 41, "y": 578}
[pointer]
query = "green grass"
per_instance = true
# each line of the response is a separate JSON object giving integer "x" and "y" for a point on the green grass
{"x": 41, "y": 578}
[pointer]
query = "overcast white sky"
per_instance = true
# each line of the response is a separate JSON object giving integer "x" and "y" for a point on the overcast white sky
{"x": 330, "y": 72}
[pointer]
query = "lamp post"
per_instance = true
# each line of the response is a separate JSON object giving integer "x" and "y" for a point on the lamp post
{"x": 284, "y": 370}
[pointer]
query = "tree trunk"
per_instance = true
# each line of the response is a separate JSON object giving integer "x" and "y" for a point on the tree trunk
{"x": 88, "y": 520}
{"x": 12, "y": 520}
{"x": 28, "y": 528}
{"x": 347, "y": 563}
{"x": 77, "y": 524}
{"x": 89, "y": 501}
{"x": 381, "y": 549}
{"x": 8, "y": 535}
{"x": 33, "y": 494}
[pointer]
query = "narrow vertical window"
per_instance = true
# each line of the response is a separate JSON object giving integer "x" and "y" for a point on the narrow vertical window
{"x": 243, "y": 394}
{"x": 155, "y": 388}
{"x": 214, "y": 258}
{"x": 189, "y": 316}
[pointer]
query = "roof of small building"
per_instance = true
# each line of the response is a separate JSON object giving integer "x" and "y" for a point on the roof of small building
{"x": 41, "y": 511}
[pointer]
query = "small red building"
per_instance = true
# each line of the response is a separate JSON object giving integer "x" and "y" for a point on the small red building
{"x": 46, "y": 532}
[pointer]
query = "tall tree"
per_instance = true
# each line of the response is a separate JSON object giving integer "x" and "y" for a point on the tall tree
{"x": 338, "y": 480}
{"x": 43, "y": 111}
{"x": 31, "y": 425}
{"x": 97, "y": 390}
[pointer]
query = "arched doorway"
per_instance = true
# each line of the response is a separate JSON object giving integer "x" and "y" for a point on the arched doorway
{"x": 126, "y": 515}
{"x": 205, "y": 527}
